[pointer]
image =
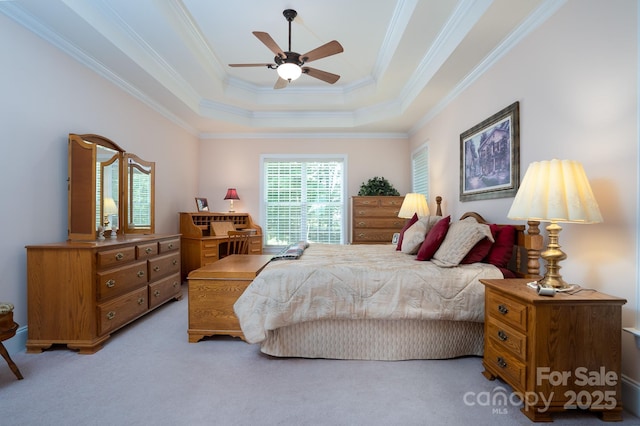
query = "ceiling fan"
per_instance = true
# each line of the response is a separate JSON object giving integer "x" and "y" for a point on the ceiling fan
{"x": 289, "y": 64}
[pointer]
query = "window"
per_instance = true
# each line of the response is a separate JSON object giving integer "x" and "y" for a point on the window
{"x": 420, "y": 171}
{"x": 303, "y": 199}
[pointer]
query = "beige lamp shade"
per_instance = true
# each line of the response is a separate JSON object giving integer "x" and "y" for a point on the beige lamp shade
{"x": 555, "y": 191}
{"x": 110, "y": 206}
{"x": 414, "y": 204}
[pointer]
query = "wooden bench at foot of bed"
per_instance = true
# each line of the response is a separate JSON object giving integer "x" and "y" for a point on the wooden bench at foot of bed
{"x": 214, "y": 288}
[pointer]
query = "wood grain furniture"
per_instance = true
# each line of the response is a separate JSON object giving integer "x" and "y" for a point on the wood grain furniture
{"x": 81, "y": 292}
{"x": 375, "y": 219}
{"x": 371, "y": 301}
{"x": 214, "y": 288}
{"x": 238, "y": 242}
{"x": 202, "y": 246}
{"x": 563, "y": 349}
{"x": 8, "y": 329}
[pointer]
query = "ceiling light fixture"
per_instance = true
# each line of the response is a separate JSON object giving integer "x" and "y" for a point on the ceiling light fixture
{"x": 289, "y": 71}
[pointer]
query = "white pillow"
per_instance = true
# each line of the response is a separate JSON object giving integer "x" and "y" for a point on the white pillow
{"x": 461, "y": 238}
{"x": 415, "y": 234}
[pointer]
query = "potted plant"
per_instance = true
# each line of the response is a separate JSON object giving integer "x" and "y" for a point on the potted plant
{"x": 377, "y": 186}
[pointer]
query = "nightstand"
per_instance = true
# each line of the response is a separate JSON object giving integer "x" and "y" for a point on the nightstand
{"x": 557, "y": 353}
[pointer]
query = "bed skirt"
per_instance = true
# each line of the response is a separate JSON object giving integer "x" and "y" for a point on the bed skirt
{"x": 376, "y": 339}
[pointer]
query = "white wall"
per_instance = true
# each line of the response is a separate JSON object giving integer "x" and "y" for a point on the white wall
{"x": 45, "y": 95}
{"x": 576, "y": 80}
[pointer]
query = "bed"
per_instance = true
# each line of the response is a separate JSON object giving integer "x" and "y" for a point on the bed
{"x": 378, "y": 302}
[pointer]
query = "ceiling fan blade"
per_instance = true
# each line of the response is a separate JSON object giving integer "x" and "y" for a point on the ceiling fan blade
{"x": 270, "y": 43}
{"x": 251, "y": 65}
{"x": 321, "y": 75}
{"x": 281, "y": 83}
{"x": 323, "y": 51}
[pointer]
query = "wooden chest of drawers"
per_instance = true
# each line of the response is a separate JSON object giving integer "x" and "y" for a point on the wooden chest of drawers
{"x": 559, "y": 353}
{"x": 80, "y": 292}
{"x": 375, "y": 219}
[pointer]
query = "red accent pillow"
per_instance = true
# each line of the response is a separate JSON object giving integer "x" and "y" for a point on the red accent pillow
{"x": 478, "y": 252}
{"x": 406, "y": 226}
{"x": 433, "y": 239}
{"x": 502, "y": 250}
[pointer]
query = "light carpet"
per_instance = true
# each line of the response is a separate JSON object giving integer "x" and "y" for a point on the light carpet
{"x": 148, "y": 374}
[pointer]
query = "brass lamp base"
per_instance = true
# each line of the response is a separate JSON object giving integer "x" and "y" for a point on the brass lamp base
{"x": 552, "y": 256}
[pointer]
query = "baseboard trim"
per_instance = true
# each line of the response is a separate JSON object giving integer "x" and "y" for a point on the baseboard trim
{"x": 631, "y": 395}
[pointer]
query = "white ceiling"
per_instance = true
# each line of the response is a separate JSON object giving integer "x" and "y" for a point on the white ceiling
{"x": 402, "y": 61}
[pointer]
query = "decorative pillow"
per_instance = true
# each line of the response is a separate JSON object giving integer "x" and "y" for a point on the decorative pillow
{"x": 433, "y": 239}
{"x": 502, "y": 250}
{"x": 460, "y": 239}
{"x": 478, "y": 252}
{"x": 406, "y": 226}
{"x": 415, "y": 235}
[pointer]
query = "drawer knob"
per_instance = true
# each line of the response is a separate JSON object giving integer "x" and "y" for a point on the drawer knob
{"x": 119, "y": 256}
{"x": 175, "y": 284}
{"x": 175, "y": 262}
{"x": 501, "y": 362}
{"x": 156, "y": 293}
{"x": 140, "y": 274}
{"x": 111, "y": 283}
{"x": 140, "y": 300}
{"x": 170, "y": 246}
{"x": 361, "y": 223}
{"x": 156, "y": 268}
{"x": 503, "y": 309}
{"x": 111, "y": 315}
{"x": 148, "y": 250}
{"x": 502, "y": 335}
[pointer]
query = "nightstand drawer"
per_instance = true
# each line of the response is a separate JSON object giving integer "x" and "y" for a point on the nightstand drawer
{"x": 507, "y": 310}
{"x": 505, "y": 337}
{"x": 505, "y": 365}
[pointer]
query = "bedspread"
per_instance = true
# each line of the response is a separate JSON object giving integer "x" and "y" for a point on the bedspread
{"x": 359, "y": 282}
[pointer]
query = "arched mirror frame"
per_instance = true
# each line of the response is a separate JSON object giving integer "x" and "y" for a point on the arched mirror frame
{"x": 134, "y": 165}
{"x": 85, "y": 188}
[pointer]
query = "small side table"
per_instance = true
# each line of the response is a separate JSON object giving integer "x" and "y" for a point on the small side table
{"x": 7, "y": 330}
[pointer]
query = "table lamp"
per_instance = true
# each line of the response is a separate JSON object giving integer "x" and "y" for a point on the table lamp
{"x": 232, "y": 194}
{"x": 109, "y": 209}
{"x": 555, "y": 191}
{"x": 414, "y": 204}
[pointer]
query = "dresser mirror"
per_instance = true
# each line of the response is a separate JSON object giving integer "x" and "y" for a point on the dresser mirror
{"x": 140, "y": 200}
{"x": 110, "y": 191}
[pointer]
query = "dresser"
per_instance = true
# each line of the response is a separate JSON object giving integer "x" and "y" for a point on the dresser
{"x": 561, "y": 352}
{"x": 80, "y": 292}
{"x": 202, "y": 246}
{"x": 375, "y": 219}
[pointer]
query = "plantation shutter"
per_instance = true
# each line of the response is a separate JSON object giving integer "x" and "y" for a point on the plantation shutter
{"x": 420, "y": 171}
{"x": 303, "y": 200}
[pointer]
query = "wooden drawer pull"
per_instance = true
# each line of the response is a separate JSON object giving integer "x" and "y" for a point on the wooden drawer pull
{"x": 502, "y": 336}
{"x": 111, "y": 315}
{"x": 156, "y": 293}
{"x": 148, "y": 250}
{"x": 156, "y": 268}
{"x": 503, "y": 309}
{"x": 501, "y": 362}
{"x": 140, "y": 274}
{"x": 111, "y": 283}
{"x": 119, "y": 256}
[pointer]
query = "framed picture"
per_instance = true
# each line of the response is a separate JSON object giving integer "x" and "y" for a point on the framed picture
{"x": 202, "y": 204}
{"x": 490, "y": 157}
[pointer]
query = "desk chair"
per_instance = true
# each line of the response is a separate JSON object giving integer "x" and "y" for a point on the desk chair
{"x": 238, "y": 242}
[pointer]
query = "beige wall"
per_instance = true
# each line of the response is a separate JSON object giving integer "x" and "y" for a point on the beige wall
{"x": 576, "y": 80}
{"x": 235, "y": 163}
{"x": 45, "y": 96}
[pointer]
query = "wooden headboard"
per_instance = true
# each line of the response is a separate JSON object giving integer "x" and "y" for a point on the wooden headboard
{"x": 528, "y": 244}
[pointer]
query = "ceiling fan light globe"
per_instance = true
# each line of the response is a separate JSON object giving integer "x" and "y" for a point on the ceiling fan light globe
{"x": 289, "y": 71}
